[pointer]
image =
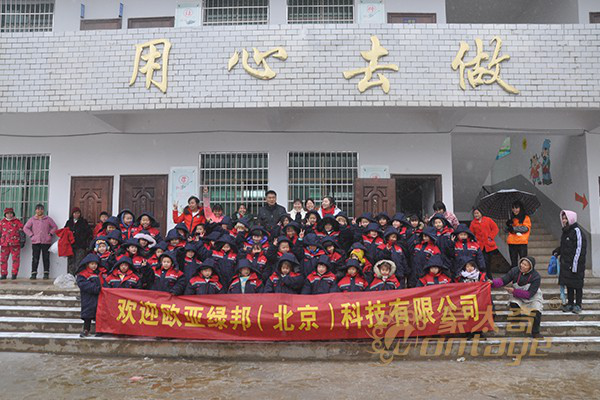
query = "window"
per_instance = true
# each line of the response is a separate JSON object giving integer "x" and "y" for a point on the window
{"x": 151, "y": 22}
{"x": 235, "y": 12}
{"x": 235, "y": 178}
{"x": 411, "y": 18}
{"x": 595, "y": 18}
{"x": 100, "y": 24}
{"x": 26, "y": 15}
{"x": 320, "y": 11}
{"x": 24, "y": 183}
{"x": 317, "y": 174}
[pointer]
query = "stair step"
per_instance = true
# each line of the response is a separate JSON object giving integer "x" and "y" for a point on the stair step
{"x": 552, "y": 328}
{"x": 33, "y": 324}
{"x": 586, "y": 315}
{"x": 29, "y": 300}
{"x": 36, "y": 311}
{"x": 352, "y": 350}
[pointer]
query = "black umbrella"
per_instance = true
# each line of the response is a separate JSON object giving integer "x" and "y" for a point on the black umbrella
{"x": 498, "y": 205}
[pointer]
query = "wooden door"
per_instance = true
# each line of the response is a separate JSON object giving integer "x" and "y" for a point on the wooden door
{"x": 145, "y": 193}
{"x": 92, "y": 194}
{"x": 375, "y": 196}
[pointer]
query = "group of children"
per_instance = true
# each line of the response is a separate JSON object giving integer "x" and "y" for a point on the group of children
{"x": 314, "y": 256}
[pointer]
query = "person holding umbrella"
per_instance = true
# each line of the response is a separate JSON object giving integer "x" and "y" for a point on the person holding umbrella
{"x": 519, "y": 229}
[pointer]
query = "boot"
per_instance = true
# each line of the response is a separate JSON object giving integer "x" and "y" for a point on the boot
{"x": 46, "y": 276}
{"x": 13, "y": 277}
{"x": 84, "y": 333}
{"x": 3, "y": 278}
{"x": 33, "y": 276}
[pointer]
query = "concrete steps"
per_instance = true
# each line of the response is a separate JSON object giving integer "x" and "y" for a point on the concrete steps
{"x": 41, "y": 318}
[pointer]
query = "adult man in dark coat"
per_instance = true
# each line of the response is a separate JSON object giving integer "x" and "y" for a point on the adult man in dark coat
{"x": 82, "y": 234}
{"x": 269, "y": 214}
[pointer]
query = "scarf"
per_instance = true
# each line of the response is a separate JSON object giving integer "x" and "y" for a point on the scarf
{"x": 472, "y": 276}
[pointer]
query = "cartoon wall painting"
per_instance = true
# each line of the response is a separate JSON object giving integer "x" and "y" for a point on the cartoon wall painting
{"x": 541, "y": 161}
{"x": 546, "y": 176}
{"x": 534, "y": 170}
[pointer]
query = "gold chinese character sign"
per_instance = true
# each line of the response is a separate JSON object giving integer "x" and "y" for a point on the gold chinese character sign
{"x": 260, "y": 58}
{"x": 152, "y": 57}
{"x": 372, "y": 56}
{"x": 477, "y": 73}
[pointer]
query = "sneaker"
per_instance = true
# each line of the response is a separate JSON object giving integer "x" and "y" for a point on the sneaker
{"x": 46, "y": 276}
{"x": 13, "y": 277}
{"x": 577, "y": 309}
{"x": 33, "y": 277}
{"x": 567, "y": 308}
{"x": 84, "y": 333}
{"x": 3, "y": 278}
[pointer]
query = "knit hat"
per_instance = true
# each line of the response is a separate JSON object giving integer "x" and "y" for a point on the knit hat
{"x": 8, "y": 210}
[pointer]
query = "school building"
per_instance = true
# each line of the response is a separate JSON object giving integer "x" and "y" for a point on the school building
{"x": 138, "y": 103}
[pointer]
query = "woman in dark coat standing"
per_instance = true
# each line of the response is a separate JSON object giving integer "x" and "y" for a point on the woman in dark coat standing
{"x": 572, "y": 252}
{"x": 83, "y": 236}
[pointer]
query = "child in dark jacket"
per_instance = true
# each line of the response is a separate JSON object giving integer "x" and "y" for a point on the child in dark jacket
{"x": 334, "y": 254}
{"x": 246, "y": 279}
{"x": 205, "y": 280}
{"x": 89, "y": 280}
{"x": 371, "y": 240}
{"x": 123, "y": 276}
{"x": 436, "y": 273}
{"x": 284, "y": 279}
{"x": 312, "y": 252}
{"x": 352, "y": 281}
{"x": 167, "y": 278}
{"x": 392, "y": 250}
{"x": 422, "y": 252}
{"x": 470, "y": 273}
{"x": 466, "y": 249}
{"x": 321, "y": 280}
{"x": 385, "y": 278}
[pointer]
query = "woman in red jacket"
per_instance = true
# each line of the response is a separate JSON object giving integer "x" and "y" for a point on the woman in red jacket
{"x": 485, "y": 231}
{"x": 192, "y": 215}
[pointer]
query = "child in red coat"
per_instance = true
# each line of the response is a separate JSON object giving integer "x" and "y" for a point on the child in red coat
{"x": 10, "y": 243}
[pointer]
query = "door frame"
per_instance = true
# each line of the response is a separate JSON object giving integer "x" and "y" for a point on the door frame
{"x": 163, "y": 227}
{"x": 110, "y": 193}
{"x": 436, "y": 177}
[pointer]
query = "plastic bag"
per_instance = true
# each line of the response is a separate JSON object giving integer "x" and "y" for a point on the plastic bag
{"x": 66, "y": 281}
{"x": 553, "y": 266}
{"x": 54, "y": 248}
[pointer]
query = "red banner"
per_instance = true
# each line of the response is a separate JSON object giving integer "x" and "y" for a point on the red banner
{"x": 433, "y": 310}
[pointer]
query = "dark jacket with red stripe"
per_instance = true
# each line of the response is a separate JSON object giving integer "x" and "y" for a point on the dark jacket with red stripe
{"x": 320, "y": 284}
{"x": 117, "y": 279}
{"x": 90, "y": 284}
{"x": 431, "y": 279}
{"x": 464, "y": 251}
{"x": 371, "y": 245}
{"x": 259, "y": 263}
{"x": 226, "y": 263}
{"x": 353, "y": 284}
{"x": 309, "y": 260}
{"x": 336, "y": 260}
{"x": 170, "y": 280}
{"x": 253, "y": 285}
{"x": 291, "y": 283}
{"x": 394, "y": 252}
{"x": 378, "y": 284}
{"x": 421, "y": 255}
{"x": 199, "y": 285}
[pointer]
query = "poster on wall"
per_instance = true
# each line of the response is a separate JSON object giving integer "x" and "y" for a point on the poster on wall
{"x": 187, "y": 15}
{"x": 371, "y": 12}
{"x": 541, "y": 162}
{"x": 184, "y": 183}
{"x": 375, "y": 171}
{"x": 504, "y": 149}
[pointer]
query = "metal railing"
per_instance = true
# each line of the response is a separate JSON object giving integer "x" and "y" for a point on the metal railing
{"x": 320, "y": 11}
{"x": 24, "y": 182}
{"x": 317, "y": 174}
{"x": 234, "y": 179}
{"x": 26, "y": 15}
{"x": 235, "y": 12}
